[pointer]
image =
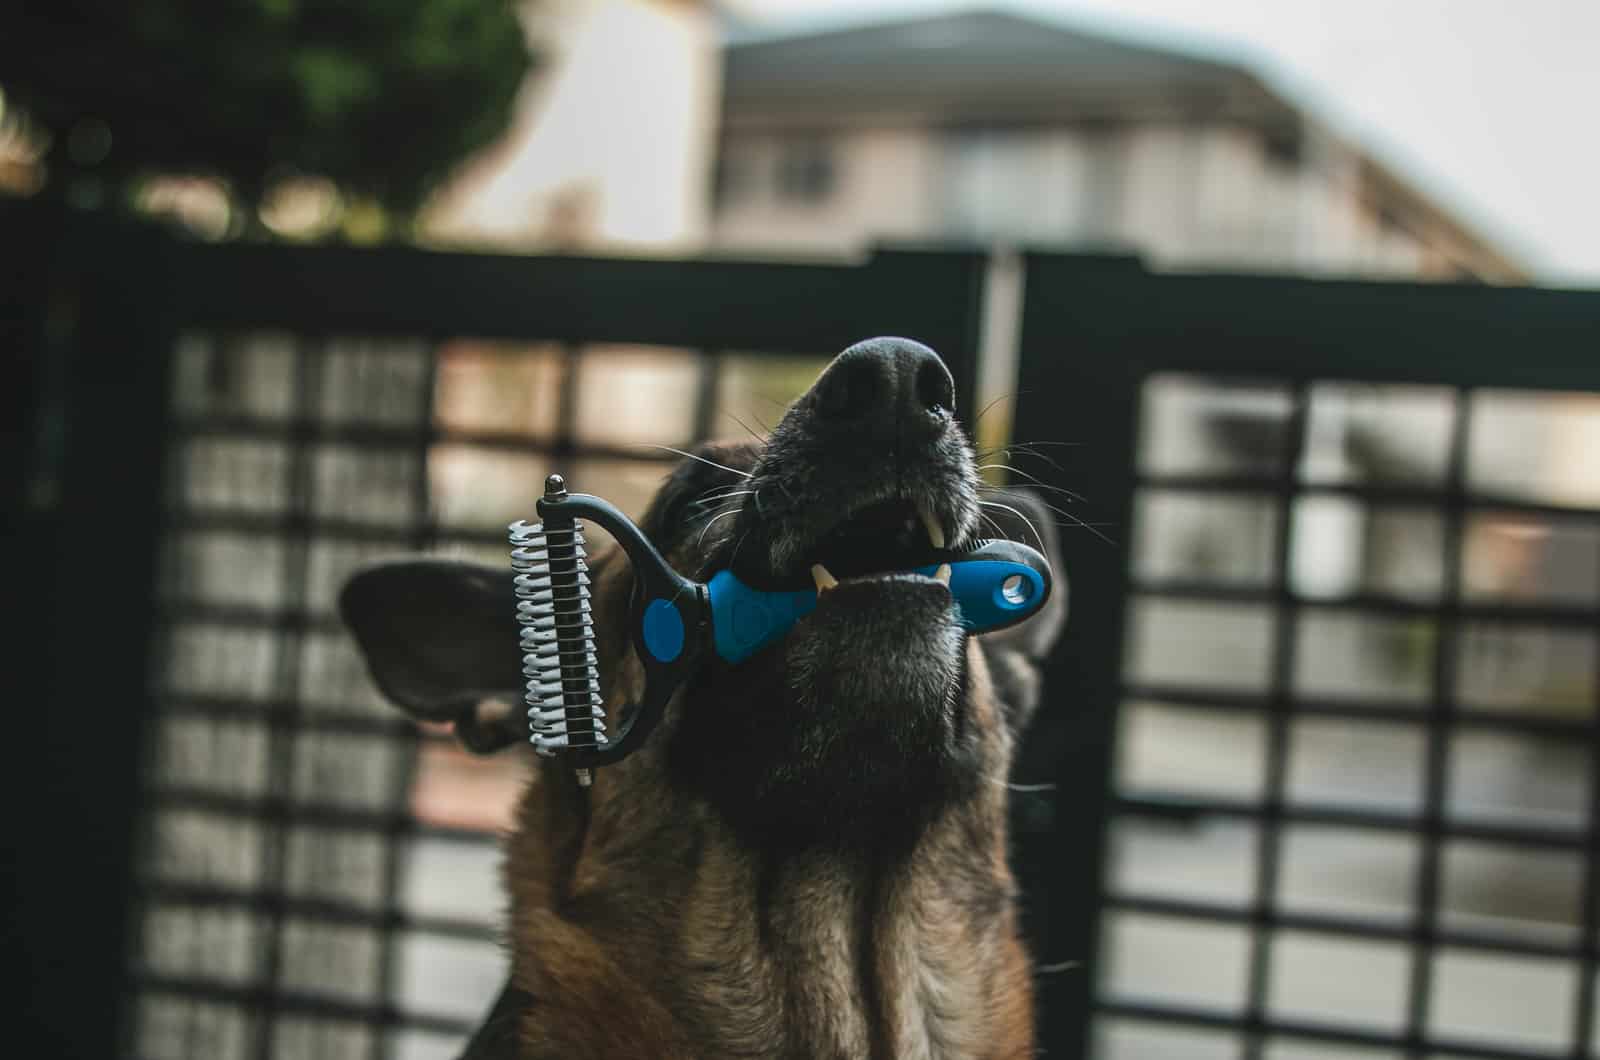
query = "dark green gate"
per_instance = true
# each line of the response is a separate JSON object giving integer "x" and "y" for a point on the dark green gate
{"x": 1323, "y": 730}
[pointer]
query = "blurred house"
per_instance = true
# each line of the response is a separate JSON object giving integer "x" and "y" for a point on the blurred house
{"x": 999, "y": 127}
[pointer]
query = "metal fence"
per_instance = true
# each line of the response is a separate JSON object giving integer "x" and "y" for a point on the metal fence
{"x": 1323, "y": 733}
{"x": 1316, "y": 772}
{"x": 251, "y": 855}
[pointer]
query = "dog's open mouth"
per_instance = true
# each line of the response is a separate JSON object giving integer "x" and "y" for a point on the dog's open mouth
{"x": 886, "y": 537}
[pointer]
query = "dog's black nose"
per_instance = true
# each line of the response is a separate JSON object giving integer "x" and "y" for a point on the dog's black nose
{"x": 887, "y": 391}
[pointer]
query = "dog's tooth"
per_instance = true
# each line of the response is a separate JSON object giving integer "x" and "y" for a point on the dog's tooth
{"x": 824, "y": 580}
{"x": 943, "y": 573}
{"x": 935, "y": 531}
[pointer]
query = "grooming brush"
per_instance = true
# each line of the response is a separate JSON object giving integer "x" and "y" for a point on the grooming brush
{"x": 675, "y": 621}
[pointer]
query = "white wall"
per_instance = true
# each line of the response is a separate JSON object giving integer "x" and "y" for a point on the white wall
{"x": 883, "y": 190}
{"x": 612, "y": 143}
{"x": 1183, "y": 196}
{"x": 1015, "y": 186}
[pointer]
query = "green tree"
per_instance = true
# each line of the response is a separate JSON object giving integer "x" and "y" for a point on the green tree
{"x": 382, "y": 97}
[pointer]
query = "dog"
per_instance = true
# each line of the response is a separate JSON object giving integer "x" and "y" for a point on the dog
{"x": 808, "y": 857}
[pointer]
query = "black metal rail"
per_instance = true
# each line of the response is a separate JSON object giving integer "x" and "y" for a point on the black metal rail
{"x": 1095, "y": 332}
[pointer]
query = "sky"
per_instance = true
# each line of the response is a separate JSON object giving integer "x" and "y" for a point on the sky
{"x": 1491, "y": 106}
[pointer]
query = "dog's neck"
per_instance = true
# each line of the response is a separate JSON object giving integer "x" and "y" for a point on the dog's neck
{"x": 686, "y": 938}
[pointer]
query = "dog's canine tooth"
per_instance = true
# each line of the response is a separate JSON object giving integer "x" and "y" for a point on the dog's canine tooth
{"x": 824, "y": 580}
{"x": 942, "y": 574}
{"x": 935, "y": 531}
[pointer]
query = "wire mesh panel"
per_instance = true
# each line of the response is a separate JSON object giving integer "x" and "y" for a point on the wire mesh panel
{"x": 1335, "y": 685}
{"x": 278, "y": 841}
{"x": 314, "y": 876}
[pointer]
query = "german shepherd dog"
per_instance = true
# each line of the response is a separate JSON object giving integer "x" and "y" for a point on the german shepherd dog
{"x": 808, "y": 857}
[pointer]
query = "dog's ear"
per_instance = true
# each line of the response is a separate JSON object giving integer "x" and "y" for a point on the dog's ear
{"x": 440, "y": 638}
{"x": 1016, "y": 655}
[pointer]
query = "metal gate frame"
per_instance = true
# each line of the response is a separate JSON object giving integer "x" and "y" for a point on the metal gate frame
{"x": 1093, "y": 329}
{"x": 97, "y": 321}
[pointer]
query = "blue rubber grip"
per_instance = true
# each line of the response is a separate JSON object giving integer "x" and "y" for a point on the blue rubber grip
{"x": 989, "y": 593}
{"x": 663, "y": 630}
{"x": 994, "y": 593}
{"x": 745, "y": 620}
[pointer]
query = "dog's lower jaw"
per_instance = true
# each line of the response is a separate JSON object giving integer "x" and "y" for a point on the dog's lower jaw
{"x": 852, "y": 733}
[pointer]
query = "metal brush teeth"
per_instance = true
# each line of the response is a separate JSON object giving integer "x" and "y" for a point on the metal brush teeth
{"x": 558, "y": 658}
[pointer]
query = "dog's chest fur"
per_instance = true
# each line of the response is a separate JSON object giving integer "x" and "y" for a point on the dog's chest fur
{"x": 837, "y": 960}
{"x": 818, "y": 955}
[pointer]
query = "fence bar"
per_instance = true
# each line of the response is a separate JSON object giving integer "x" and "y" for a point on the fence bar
{"x": 1316, "y": 1032}
{"x": 1269, "y": 828}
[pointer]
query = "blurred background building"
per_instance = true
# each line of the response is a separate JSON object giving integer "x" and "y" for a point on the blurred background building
{"x": 985, "y": 126}
{"x": 996, "y": 127}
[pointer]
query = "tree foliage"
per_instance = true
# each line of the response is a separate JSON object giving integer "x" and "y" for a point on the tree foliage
{"x": 383, "y": 97}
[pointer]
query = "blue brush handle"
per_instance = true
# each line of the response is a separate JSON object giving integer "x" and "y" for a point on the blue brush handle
{"x": 745, "y": 620}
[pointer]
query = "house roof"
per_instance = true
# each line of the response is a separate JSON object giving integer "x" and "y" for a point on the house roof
{"x": 982, "y": 65}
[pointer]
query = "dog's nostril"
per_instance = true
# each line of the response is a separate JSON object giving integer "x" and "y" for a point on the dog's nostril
{"x": 850, "y": 388}
{"x": 896, "y": 389}
{"x": 935, "y": 389}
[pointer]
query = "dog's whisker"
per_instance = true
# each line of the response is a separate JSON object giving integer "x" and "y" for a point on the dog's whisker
{"x": 712, "y": 491}
{"x": 1072, "y": 519}
{"x": 710, "y": 522}
{"x": 1027, "y": 448}
{"x": 751, "y": 430}
{"x": 716, "y": 504}
{"x": 998, "y": 505}
{"x": 1033, "y": 479}
{"x": 985, "y": 410}
{"x": 1000, "y": 492}
{"x": 1056, "y": 968}
{"x": 1007, "y": 452}
{"x": 1016, "y": 445}
{"x": 1062, "y": 512}
{"x": 693, "y": 456}
{"x": 722, "y": 495}
{"x": 715, "y": 510}
{"x": 718, "y": 513}
{"x": 1002, "y": 782}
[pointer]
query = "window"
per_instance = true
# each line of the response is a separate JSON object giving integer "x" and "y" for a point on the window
{"x": 1284, "y": 147}
{"x": 805, "y": 171}
{"x": 733, "y": 177}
